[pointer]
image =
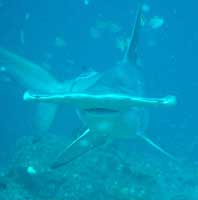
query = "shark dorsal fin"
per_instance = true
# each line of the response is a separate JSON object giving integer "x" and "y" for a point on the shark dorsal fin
{"x": 131, "y": 51}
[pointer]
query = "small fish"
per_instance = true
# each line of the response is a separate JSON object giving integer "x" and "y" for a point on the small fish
{"x": 101, "y": 26}
{"x": 156, "y": 22}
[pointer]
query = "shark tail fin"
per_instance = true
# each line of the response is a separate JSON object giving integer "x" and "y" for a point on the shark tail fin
{"x": 150, "y": 142}
{"x": 131, "y": 51}
{"x": 32, "y": 77}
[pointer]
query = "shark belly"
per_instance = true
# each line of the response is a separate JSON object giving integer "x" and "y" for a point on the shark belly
{"x": 113, "y": 123}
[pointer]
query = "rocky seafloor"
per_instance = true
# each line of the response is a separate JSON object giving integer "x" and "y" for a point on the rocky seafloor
{"x": 102, "y": 174}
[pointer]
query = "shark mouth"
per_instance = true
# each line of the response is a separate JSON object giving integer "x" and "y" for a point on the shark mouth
{"x": 101, "y": 111}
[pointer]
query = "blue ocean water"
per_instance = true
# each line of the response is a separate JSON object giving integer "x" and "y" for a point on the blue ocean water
{"x": 68, "y": 37}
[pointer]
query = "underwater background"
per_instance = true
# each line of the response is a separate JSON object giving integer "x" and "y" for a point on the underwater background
{"x": 68, "y": 37}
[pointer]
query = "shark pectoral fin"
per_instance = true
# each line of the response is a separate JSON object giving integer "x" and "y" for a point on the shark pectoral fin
{"x": 45, "y": 114}
{"x": 150, "y": 142}
{"x": 83, "y": 144}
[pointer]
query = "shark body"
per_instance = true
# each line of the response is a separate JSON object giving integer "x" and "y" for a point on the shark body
{"x": 110, "y": 104}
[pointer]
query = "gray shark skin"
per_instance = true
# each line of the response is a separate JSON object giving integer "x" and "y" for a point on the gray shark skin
{"x": 31, "y": 76}
{"x": 111, "y": 104}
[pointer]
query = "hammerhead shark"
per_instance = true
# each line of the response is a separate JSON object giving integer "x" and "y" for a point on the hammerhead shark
{"x": 110, "y": 104}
